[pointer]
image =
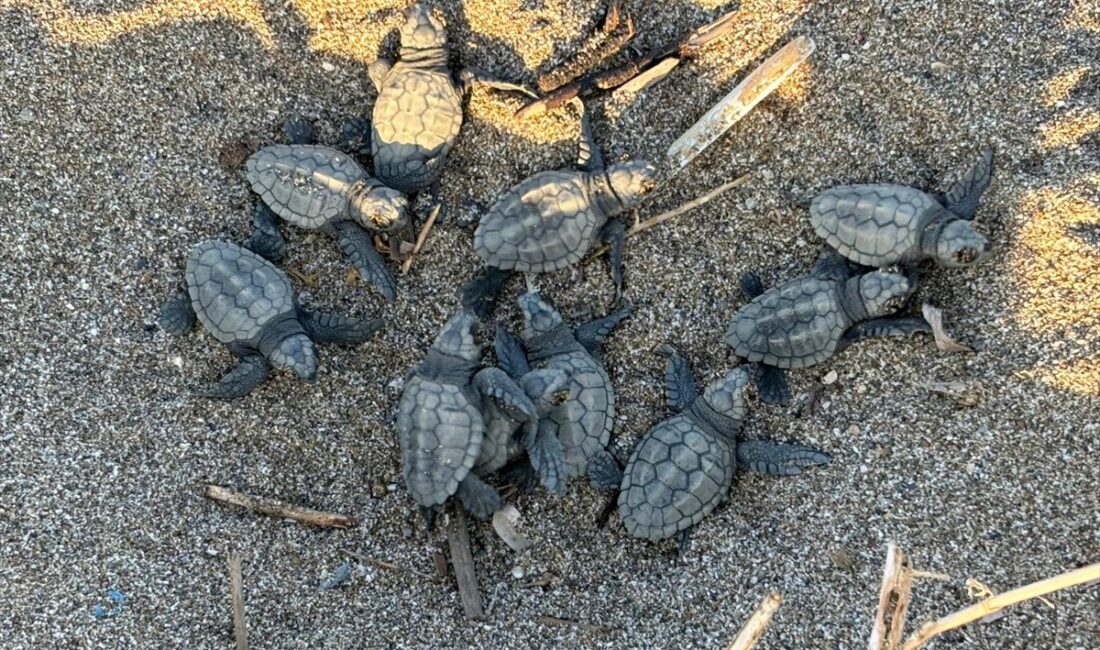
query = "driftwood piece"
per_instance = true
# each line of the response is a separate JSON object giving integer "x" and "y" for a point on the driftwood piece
{"x": 896, "y": 589}
{"x": 751, "y": 91}
{"x": 275, "y": 508}
{"x": 944, "y": 342}
{"x": 757, "y": 624}
{"x": 458, "y": 538}
{"x": 236, "y": 592}
{"x": 616, "y": 31}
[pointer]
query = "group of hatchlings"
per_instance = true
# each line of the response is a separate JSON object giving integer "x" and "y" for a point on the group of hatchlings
{"x": 545, "y": 412}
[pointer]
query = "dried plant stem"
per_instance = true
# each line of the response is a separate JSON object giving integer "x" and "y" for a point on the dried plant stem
{"x": 278, "y": 509}
{"x": 236, "y": 591}
{"x": 896, "y": 588}
{"x": 458, "y": 537}
{"x": 757, "y": 624}
{"x": 421, "y": 238}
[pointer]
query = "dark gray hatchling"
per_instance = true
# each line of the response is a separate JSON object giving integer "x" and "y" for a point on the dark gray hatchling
{"x": 879, "y": 225}
{"x": 441, "y": 419}
{"x": 807, "y": 320}
{"x": 551, "y": 220}
{"x": 582, "y": 423}
{"x": 247, "y": 303}
{"x": 320, "y": 188}
{"x": 683, "y": 467}
{"x": 418, "y": 112}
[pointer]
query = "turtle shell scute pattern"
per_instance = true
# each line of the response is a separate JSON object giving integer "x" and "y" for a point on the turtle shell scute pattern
{"x": 415, "y": 123}
{"x": 582, "y": 423}
{"x": 547, "y": 222}
{"x": 235, "y": 292}
{"x": 307, "y": 185}
{"x": 873, "y": 225}
{"x": 795, "y": 325}
{"x": 440, "y": 432}
{"x": 676, "y": 476}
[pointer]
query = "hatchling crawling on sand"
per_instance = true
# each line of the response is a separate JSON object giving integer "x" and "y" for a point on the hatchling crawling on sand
{"x": 418, "y": 112}
{"x": 805, "y": 321}
{"x": 879, "y": 225}
{"x": 320, "y": 188}
{"x": 683, "y": 467}
{"x": 247, "y": 303}
{"x": 583, "y": 422}
{"x": 441, "y": 419}
{"x": 551, "y": 220}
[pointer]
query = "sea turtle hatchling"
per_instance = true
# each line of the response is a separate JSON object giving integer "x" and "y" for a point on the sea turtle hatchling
{"x": 551, "y": 220}
{"x": 418, "y": 112}
{"x": 320, "y": 188}
{"x": 805, "y": 321}
{"x": 441, "y": 419}
{"x": 683, "y": 467}
{"x": 584, "y": 421}
{"x": 244, "y": 301}
{"x": 879, "y": 225}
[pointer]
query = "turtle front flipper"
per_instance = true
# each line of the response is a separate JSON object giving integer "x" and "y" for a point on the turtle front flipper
{"x": 614, "y": 234}
{"x": 589, "y": 157}
{"x": 680, "y": 392}
{"x": 771, "y": 382}
{"x": 177, "y": 315}
{"x": 778, "y": 459}
{"x": 357, "y": 244}
{"x": 479, "y": 295}
{"x": 604, "y": 472}
{"x": 493, "y": 384}
{"x": 511, "y": 357}
{"x": 478, "y": 497}
{"x": 378, "y": 71}
{"x": 250, "y": 372}
{"x": 964, "y": 196}
{"x": 882, "y": 327}
{"x": 592, "y": 334}
{"x": 325, "y": 327}
{"x": 470, "y": 77}
{"x": 266, "y": 240}
{"x": 547, "y": 456}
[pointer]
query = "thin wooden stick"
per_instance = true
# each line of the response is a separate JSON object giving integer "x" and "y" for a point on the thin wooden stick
{"x": 999, "y": 602}
{"x": 421, "y": 238}
{"x": 895, "y": 582}
{"x": 757, "y": 624}
{"x": 389, "y": 566}
{"x": 554, "y": 621}
{"x": 672, "y": 214}
{"x": 236, "y": 591}
{"x": 278, "y": 509}
{"x": 458, "y": 537}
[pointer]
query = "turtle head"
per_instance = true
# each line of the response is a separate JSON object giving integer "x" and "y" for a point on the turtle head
{"x": 424, "y": 28}
{"x": 729, "y": 395}
{"x": 382, "y": 208}
{"x": 630, "y": 181}
{"x": 297, "y": 354}
{"x": 960, "y": 245}
{"x": 539, "y": 314}
{"x": 884, "y": 292}
{"x": 456, "y": 339}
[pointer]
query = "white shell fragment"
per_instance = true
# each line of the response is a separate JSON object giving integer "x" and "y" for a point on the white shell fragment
{"x": 750, "y": 92}
{"x": 945, "y": 343}
{"x": 504, "y": 523}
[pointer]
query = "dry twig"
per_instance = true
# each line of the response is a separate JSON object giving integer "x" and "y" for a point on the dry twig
{"x": 560, "y": 622}
{"x": 896, "y": 583}
{"x": 389, "y": 566}
{"x": 616, "y": 31}
{"x": 755, "y": 627}
{"x": 421, "y": 238}
{"x": 236, "y": 591}
{"x": 458, "y": 537}
{"x": 278, "y": 509}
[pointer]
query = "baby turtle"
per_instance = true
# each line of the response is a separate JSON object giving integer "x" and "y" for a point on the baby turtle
{"x": 418, "y": 113}
{"x": 583, "y": 422}
{"x": 551, "y": 220}
{"x": 682, "y": 468}
{"x": 879, "y": 225}
{"x": 320, "y": 188}
{"x": 248, "y": 304}
{"x": 809, "y": 319}
{"x": 441, "y": 419}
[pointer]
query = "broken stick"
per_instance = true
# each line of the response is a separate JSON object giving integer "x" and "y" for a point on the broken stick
{"x": 458, "y": 538}
{"x": 757, "y": 624}
{"x": 421, "y": 238}
{"x": 896, "y": 588}
{"x": 275, "y": 508}
{"x": 236, "y": 592}
{"x": 1000, "y": 601}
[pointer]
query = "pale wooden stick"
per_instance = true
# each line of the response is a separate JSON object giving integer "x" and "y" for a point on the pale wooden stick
{"x": 279, "y": 509}
{"x": 421, "y": 238}
{"x": 999, "y": 602}
{"x": 754, "y": 628}
{"x": 672, "y": 214}
{"x": 458, "y": 537}
{"x": 240, "y": 630}
{"x": 893, "y": 573}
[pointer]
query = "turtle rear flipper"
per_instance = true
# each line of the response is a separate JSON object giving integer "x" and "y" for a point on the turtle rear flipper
{"x": 511, "y": 357}
{"x": 778, "y": 459}
{"x": 298, "y": 130}
{"x": 547, "y": 456}
{"x": 885, "y": 326}
{"x": 604, "y": 472}
{"x": 250, "y": 372}
{"x": 378, "y": 71}
{"x": 964, "y": 196}
{"x": 177, "y": 315}
{"x": 479, "y": 295}
{"x": 469, "y": 77}
{"x": 592, "y": 334}
{"x": 771, "y": 382}
{"x": 358, "y": 246}
{"x": 324, "y": 327}
{"x": 478, "y": 497}
{"x": 266, "y": 240}
{"x": 750, "y": 284}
